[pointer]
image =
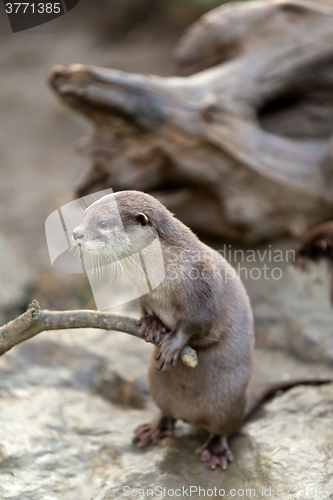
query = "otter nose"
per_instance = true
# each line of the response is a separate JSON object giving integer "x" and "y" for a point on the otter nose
{"x": 77, "y": 235}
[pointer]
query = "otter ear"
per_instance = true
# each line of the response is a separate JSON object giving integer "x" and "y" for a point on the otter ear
{"x": 142, "y": 219}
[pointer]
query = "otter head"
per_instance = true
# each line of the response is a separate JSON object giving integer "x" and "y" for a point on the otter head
{"x": 114, "y": 228}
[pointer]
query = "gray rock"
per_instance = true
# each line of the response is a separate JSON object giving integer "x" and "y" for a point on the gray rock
{"x": 292, "y": 309}
{"x": 297, "y": 315}
{"x": 288, "y": 445}
{"x": 14, "y": 277}
{"x": 60, "y": 439}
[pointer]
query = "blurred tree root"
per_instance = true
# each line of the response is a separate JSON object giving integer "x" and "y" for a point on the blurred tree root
{"x": 239, "y": 146}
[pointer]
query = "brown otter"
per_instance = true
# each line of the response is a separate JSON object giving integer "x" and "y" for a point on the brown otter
{"x": 202, "y": 303}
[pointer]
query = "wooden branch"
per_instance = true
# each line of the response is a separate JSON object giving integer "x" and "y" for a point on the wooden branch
{"x": 35, "y": 321}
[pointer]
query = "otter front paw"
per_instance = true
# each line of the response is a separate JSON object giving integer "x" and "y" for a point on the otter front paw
{"x": 151, "y": 328}
{"x": 168, "y": 353}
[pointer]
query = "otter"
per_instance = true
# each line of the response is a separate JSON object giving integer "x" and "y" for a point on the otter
{"x": 201, "y": 303}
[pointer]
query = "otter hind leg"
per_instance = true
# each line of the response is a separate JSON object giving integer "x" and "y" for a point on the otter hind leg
{"x": 161, "y": 427}
{"x": 216, "y": 452}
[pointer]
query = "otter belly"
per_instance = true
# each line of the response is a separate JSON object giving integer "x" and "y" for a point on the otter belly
{"x": 210, "y": 396}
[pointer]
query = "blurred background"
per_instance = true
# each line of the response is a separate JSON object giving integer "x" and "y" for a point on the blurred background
{"x": 74, "y": 378}
{"x": 40, "y": 163}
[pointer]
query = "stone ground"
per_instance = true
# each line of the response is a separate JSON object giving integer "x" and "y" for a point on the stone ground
{"x": 71, "y": 399}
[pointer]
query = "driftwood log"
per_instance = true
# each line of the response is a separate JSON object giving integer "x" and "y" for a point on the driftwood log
{"x": 316, "y": 245}
{"x": 35, "y": 321}
{"x": 240, "y": 145}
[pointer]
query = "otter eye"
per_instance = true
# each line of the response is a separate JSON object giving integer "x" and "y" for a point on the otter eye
{"x": 103, "y": 224}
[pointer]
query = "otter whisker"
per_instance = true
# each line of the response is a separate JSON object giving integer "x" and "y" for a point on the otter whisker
{"x": 133, "y": 260}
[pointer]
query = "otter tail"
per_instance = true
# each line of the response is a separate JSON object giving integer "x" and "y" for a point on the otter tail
{"x": 258, "y": 393}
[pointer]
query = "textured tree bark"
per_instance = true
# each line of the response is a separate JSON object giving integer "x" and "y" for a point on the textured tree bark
{"x": 35, "y": 321}
{"x": 316, "y": 245}
{"x": 240, "y": 145}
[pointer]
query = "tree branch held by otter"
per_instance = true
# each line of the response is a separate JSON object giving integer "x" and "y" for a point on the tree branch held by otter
{"x": 35, "y": 321}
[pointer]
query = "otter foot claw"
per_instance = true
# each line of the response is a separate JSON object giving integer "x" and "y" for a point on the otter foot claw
{"x": 151, "y": 328}
{"x": 168, "y": 353}
{"x": 166, "y": 358}
{"x": 216, "y": 452}
{"x": 154, "y": 432}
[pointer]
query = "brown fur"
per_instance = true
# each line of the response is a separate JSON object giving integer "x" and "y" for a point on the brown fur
{"x": 212, "y": 314}
{"x": 203, "y": 303}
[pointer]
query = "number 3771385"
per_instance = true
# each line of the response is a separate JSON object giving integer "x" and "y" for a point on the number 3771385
{"x": 38, "y": 8}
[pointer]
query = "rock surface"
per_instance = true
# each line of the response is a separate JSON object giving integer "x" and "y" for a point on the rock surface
{"x": 16, "y": 277}
{"x": 61, "y": 438}
{"x": 297, "y": 316}
{"x": 292, "y": 309}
